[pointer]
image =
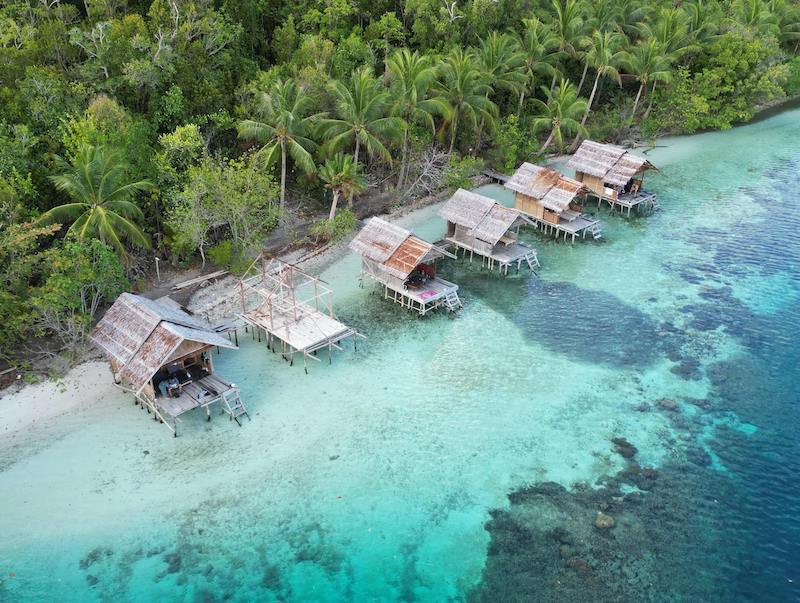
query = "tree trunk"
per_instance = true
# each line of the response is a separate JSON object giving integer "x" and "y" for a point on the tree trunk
{"x": 404, "y": 157}
{"x": 636, "y": 102}
{"x": 283, "y": 175}
{"x": 583, "y": 77}
{"x": 334, "y": 202}
{"x": 479, "y": 138}
{"x": 521, "y": 101}
{"x": 355, "y": 161}
{"x": 650, "y": 103}
{"x": 548, "y": 141}
{"x": 453, "y": 129}
{"x": 591, "y": 99}
{"x": 202, "y": 256}
{"x": 588, "y": 110}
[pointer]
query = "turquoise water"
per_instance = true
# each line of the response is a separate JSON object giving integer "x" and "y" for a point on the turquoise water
{"x": 447, "y": 457}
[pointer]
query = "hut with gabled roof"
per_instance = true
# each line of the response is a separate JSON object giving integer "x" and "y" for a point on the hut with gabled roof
{"x": 480, "y": 225}
{"x": 161, "y": 354}
{"x": 552, "y": 201}
{"x": 614, "y": 175}
{"x": 405, "y": 265}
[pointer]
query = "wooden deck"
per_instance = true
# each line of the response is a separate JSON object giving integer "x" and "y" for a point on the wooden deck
{"x": 437, "y": 293}
{"x": 579, "y": 226}
{"x": 640, "y": 201}
{"x": 301, "y": 328}
{"x": 496, "y": 176}
{"x": 202, "y": 393}
{"x": 502, "y": 256}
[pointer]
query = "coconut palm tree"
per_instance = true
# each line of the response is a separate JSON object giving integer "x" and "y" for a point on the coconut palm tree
{"x": 283, "y": 128}
{"x": 362, "y": 110}
{"x": 539, "y": 47}
{"x": 502, "y": 64}
{"x": 560, "y": 113}
{"x": 647, "y": 62}
{"x": 341, "y": 175}
{"x": 670, "y": 29}
{"x": 569, "y": 28}
{"x": 466, "y": 90}
{"x": 411, "y": 76}
{"x": 102, "y": 204}
{"x": 604, "y": 55}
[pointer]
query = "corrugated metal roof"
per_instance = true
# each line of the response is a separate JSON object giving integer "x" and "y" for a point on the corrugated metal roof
{"x": 615, "y": 165}
{"x": 485, "y": 218}
{"x": 140, "y": 335}
{"x": 408, "y": 256}
{"x": 396, "y": 248}
{"x": 551, "y": 188}
{"x": 378, "y": 240}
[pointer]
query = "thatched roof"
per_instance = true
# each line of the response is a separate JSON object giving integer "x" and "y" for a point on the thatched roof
{"x": 396, "y": 248}
{"x": 484, "y": 217}
{"x": 551, "y": 188}
{"x": 615, "y": 165}
{"x": 141, "y": 335}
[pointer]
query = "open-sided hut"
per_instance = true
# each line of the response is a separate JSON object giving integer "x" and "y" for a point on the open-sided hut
{"x": 293, "y": 309}
{"x": 405, "y": 265}
{"x": 161, "y": 354}
{"x": 552, "y": 201}
{"x": 613, "y": 175}
{"x": 480, "y": 225}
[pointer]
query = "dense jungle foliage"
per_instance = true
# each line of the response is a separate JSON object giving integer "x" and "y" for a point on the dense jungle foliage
{"x": 192, "y": 128}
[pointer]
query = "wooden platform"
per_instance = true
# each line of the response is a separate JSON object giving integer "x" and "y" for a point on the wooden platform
{"x": 640, "y": 200}
{"x": 580, "y": 226}
{"x": 301, "y": 328}
{"x": 436, "y": 293}
{"x": 502, "y": 256}
{"x": 201, "y": 393}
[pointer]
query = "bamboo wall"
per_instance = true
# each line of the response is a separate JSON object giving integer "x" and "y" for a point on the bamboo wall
{"x": 529, "y": 205}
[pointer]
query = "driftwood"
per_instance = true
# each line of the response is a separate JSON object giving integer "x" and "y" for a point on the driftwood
{"x": 198, "y": 279}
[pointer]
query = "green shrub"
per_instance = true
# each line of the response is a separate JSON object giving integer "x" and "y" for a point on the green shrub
{"x": 461, "y": 170}
{"x": 335, "y": 230}
{"x": 225, "y": 254}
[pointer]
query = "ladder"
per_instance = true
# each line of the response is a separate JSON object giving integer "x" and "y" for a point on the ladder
{"x": 452, "y": 302}
{"x": 233, "y": 405}
{"x": 594, "y": 230}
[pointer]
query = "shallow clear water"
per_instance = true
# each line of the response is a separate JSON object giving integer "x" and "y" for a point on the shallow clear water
{"x": 375, "y": 478}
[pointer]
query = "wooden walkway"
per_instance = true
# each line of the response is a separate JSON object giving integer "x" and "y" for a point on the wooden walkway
{"x": 496, "y": 176}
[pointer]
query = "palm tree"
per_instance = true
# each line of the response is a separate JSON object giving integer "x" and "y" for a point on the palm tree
{"x": 464, "y": 86}
{"x": 569, "y": 28}
{"x": 362, "y": 110}
{"x": 284, "y": 128}
{"x": 647, "y": 62}
{"x": 411, "y": 77}
{"x": 560, "y": 113}
{"x": 604, "y": 54}
{"x": 101, "y": 193}
{"x": 502, "y": 65}
{"x": 539, "y": 47}
{"x": 671, "y": 30}
{"x": 341, "y": 175}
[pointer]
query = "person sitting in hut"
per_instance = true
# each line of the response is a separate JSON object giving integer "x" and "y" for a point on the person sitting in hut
{"x": 170, "y": 387}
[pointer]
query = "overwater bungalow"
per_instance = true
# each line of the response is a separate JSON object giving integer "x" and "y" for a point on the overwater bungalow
{"x": 162, "y": 355}
{"x": 552, "y": 201}
{"x": 614, "y": 175}
{"x": 480, "y": 225}
{"x": 405, "y": 265}
{"x": 292, "y": 309}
